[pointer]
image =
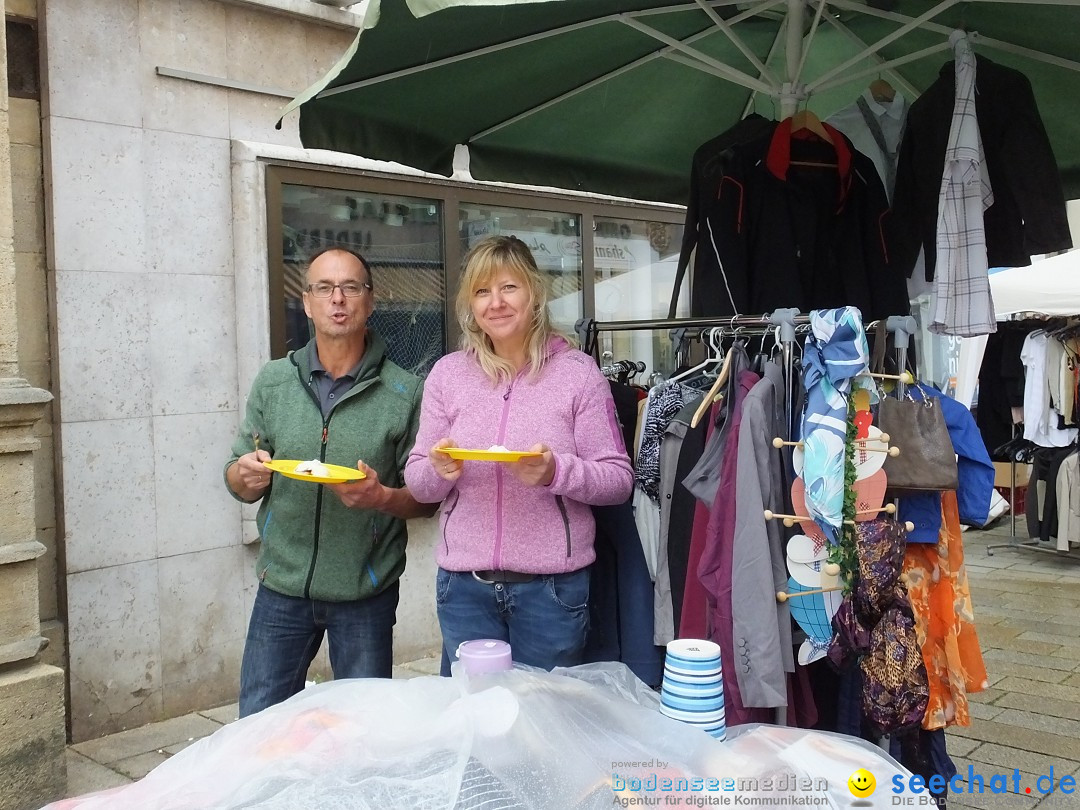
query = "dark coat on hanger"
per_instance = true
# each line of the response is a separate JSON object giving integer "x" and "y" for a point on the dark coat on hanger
{"x": 707, "y": 168}
{"x": 1028, "y": 214}
{"x": 786, "y": 235}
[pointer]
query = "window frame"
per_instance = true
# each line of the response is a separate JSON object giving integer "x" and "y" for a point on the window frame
{"x": 451, "y": 194}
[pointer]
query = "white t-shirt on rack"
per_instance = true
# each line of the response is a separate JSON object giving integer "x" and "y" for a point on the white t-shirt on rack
{"x": 1040, "y": 420}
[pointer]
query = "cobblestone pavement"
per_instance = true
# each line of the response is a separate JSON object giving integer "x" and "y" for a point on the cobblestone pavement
{"x": 1027, "y": 613}
{"x": 1027, "y": 606}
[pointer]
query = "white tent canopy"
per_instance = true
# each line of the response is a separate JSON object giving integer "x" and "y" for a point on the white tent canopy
{"x": 1047, "y": 287}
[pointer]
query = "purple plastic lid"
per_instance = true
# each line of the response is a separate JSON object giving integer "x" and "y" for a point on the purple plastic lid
{"x": 484, "y": 655}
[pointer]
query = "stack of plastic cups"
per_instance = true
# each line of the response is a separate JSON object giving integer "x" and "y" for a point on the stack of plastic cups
{"x": 693, "y": 687}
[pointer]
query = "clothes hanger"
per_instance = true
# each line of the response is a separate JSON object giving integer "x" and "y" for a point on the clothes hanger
{"x": 757, "y": 363}
{"x": 588, "y": 335}
{"x": 1066, "y": 329}
{"x": 710, "y": 395}
{"x": 882, "y": 91}
{"x": 680, "y": 343}
{"x": 802, "y": 330}
{"x": 806, "y": 119}
{"x": 715, "y": 339}
{"x": 711, "y": 360}
{"x": 774, "y": 350}
{"x": 714, "y": 390}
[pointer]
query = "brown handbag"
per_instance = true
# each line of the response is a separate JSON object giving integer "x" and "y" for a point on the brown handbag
{"x": 927, "y": 461}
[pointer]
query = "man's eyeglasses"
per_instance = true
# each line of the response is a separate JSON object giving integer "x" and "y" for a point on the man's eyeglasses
{"x": 350, "y": 289}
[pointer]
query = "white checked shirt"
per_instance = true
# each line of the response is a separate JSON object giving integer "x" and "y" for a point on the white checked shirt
{"x": 962, "y": 304}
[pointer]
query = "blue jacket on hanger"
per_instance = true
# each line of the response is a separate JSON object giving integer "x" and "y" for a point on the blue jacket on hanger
{"x": 975, "y": 474}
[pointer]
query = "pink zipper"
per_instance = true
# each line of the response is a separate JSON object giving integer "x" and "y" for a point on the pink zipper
{"x": 496, "y": 561}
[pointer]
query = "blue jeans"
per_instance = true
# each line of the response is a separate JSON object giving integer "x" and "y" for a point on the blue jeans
{"x": 285, "y": 634}
{"x": 544, "y": 621}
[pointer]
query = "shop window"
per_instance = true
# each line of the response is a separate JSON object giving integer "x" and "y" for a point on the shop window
{"x": 402, "y": 240}
{"x": 634, "y": 263}
{"x": 605, "y": 259}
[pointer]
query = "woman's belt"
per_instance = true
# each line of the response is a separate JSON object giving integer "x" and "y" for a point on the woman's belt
{"x": 490, "y": 577}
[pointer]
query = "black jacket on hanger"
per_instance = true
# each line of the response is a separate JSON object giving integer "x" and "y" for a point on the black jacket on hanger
{"x": 1001, "y": 387}
{"x": 789, "y": 235}
{"x": 707, "y": 168}
{"x": 1028, "y": 214}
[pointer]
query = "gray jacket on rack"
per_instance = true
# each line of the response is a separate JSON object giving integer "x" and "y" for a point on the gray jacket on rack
{"x": 761, "y": 625}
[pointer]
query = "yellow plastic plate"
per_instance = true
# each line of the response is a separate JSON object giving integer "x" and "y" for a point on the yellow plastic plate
{"x": 487, "y": 455}
{"x": 338, "y": 475}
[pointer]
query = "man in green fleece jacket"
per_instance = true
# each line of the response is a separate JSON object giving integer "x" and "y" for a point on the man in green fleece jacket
{"x": 331, "y": 554}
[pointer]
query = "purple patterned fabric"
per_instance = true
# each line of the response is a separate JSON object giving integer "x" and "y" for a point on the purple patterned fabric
{"x": 852, "y": 638}
{"x": 880, "y": 544}
{"x": 876, "y": 627}
{"x": 896, "y": 691}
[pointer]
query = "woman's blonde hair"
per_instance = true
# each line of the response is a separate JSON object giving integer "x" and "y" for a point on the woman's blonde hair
{"x": 487, "y": 258}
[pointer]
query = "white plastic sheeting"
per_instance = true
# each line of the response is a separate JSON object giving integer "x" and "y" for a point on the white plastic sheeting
{"x": 516, "y": 740}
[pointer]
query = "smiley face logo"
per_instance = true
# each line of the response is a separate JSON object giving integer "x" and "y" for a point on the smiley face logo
{"x": 861, "y": 783}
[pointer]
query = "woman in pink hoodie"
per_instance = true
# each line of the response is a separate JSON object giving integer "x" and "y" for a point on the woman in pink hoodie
{"x": 517, "y": 538}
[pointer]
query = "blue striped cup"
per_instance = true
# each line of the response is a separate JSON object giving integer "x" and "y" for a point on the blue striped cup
{"x": 693, "y": 686}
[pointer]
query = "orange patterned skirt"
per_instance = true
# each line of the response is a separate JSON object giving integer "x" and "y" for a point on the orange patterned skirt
{"x": 945, "y": 621}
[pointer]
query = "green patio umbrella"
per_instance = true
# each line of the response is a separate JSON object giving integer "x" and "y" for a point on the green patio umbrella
{"x": 614, "y": 96}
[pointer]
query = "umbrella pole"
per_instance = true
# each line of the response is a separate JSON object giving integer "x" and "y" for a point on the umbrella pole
{"x": 790, "y": 94}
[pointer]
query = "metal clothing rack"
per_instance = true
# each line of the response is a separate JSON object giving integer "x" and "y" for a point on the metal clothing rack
{"x": 1016, "y": 543}
{"x": 786, "y": 319}
{"x": 901, "y": 326}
